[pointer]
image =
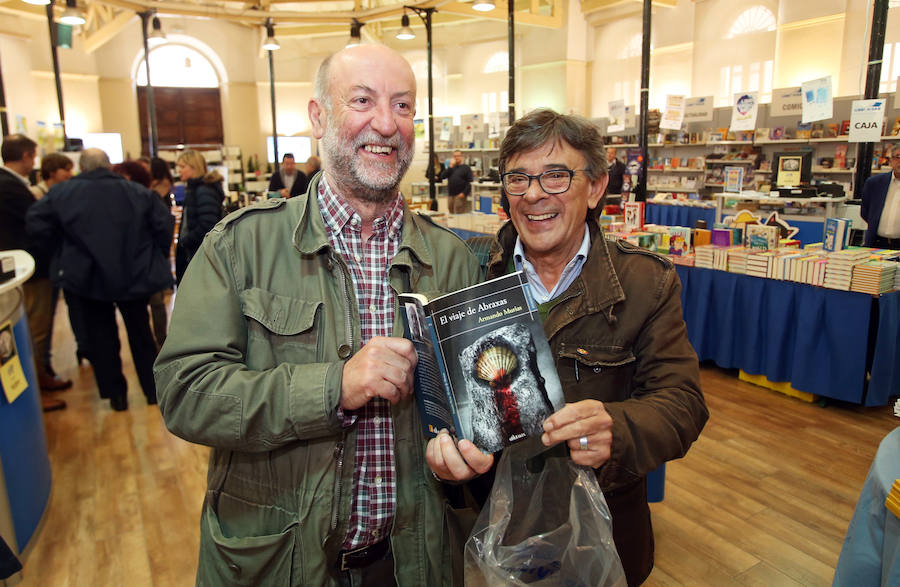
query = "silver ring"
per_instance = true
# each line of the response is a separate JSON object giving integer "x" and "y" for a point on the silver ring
{"x": 582, "y": 443}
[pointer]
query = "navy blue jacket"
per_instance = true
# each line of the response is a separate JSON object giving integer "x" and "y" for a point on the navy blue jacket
{"x": 15, "y": 199}
{"x": 110, "y": 237}
{"x": 873, "y": 196}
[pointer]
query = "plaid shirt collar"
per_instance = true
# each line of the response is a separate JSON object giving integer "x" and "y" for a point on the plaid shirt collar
{"x": 338, "y": 213}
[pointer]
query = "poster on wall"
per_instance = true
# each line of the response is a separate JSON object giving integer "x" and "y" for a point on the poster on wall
{"x": 786, "y": 102}
{"x": 746, "y": 107}
{"x": 446, "y": 127}
{"x": 698, "y": 109}
{"x": 630, "y": 118}
{"x": 866, "y": 118}
{"x": 468, "y": 125}
{"x": 673, "y": 116}
{"x": 616, "y": 116}
{"x": 493, "y": 121}
{"x": 817, "y": 99}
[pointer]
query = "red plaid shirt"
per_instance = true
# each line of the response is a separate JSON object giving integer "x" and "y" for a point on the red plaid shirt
{"x": 374, "y": 497}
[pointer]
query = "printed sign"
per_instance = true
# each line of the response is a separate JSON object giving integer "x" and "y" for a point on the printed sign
{"x": 673, "y": 116}
{"x": 866, "y": 118}
{"x": 746, "y": 107}
{"x": 616, "y": 116}
{"x": 12, "y": 377}
{"x": 698, "y": 109}
{"x": 817, "y": 100}
{"x": 786, "y": 102}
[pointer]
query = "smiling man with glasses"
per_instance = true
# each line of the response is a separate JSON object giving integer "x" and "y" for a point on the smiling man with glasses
{"x": 612, "y": 314}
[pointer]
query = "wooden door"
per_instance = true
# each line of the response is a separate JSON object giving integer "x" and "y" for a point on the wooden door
{"x": 184, "y": 116}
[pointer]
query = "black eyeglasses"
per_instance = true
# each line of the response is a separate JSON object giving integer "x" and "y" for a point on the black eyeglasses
{"x": 552, "y": 181}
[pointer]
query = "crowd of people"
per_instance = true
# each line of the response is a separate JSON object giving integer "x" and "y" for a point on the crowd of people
{"x": 285, "y": 354}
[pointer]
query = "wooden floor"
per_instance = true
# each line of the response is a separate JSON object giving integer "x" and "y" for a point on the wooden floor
{"x": 763, "y": 498}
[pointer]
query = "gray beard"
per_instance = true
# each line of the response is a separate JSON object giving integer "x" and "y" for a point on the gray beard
{"x": 376, "y": 185}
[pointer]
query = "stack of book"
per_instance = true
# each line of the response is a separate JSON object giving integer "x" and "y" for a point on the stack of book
{"x": 839, "y": 271}
{"x": 737, "y": 259}
{"x": 761, "y": 264}
{"x": 711, "y": 257}
{"x": 873, "y": 277}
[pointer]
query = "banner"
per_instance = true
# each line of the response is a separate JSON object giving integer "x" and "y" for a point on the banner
{"x": 616, "y": 116}
{"x": 698, "y": 109}
{"x": 866, "y": 117}
{"x": 786, "y": 102}
{"x": 673, "y": 116}
{"x": 817, "y": 99}
{"x": 746, "y": 107}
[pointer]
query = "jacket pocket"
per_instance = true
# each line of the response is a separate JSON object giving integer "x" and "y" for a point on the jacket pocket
{"x": 281, "y": 329}
{"x": 242, "y": 560}
{"x": 595, "y": 372}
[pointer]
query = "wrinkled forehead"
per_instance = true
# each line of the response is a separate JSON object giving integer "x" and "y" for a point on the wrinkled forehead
{"x": 372, "y": 68}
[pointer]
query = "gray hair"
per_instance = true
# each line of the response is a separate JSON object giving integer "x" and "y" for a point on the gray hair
{"x": 320, "y": 90}
{"x": 92, "y": 159}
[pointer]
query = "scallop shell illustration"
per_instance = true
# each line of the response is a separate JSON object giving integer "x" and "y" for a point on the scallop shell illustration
{"x": 495, "y": 362}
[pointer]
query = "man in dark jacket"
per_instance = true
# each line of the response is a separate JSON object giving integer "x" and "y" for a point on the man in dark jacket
{"x": 288, "y": 180}
{"x": 612, "y": 315}
{"x": 111, "y": 240}
{"x": 459, "y": 184}
{"x": 18, "y": 152}
{"x": 881, "y": 207}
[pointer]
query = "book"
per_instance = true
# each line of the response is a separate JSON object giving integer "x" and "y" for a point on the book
{"x": 818, "y": 131}
{"x": 832, "y": 129}
{"x": 803, "y": 130}
{"x": 634, "y": 216}
{"x": 777, "y": 133}
{"x": 836, "y": 234}
{"x": 840, "y": 156}
{"x": 845, "y": 128}
{"x": 485, "y": 370}
{"x": 761, "y": 236}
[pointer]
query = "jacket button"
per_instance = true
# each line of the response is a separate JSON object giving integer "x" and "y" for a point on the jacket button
{"x": 344, "y": 351}
{"x": 235, "y": 569}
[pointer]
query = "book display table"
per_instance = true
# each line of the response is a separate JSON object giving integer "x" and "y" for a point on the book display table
{"x": 25, "y": 475}
{"x": 822, "y": 341}
{"x": 676, "y": 215}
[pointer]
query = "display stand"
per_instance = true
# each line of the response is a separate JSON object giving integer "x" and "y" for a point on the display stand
{"x": 25, "y": 474}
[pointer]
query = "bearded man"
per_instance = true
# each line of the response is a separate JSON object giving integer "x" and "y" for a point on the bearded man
{"x": 285, "y": 355}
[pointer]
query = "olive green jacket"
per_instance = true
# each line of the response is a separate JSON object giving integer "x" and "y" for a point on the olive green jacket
{"x": 263, "y": 323}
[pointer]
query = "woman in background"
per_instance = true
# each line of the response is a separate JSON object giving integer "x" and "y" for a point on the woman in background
{"x": 202, "y": 208}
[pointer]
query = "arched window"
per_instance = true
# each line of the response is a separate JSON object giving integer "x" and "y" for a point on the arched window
{"x": 753, "y": 20}
{"x": 178, "y": 66}
{"x": 498, "y": 62}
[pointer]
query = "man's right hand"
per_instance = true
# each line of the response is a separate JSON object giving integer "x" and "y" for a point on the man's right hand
{"x": 452, "y": 461}
{"x": 384, "y": 368}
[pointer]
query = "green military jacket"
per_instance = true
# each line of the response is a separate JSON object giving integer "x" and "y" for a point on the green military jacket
{"x": 263, "y": 323}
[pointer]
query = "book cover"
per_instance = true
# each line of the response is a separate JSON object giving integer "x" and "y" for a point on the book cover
{"x": 761, "y": 133}
{"x": 679, "y": 240}
{"x": 634, "y": 215}
{"x": 817, "y": 131}
{"x": 485, "y": 370}
{"x": 845, "y": 127}
{"x": 836, "y": 233}
{"x": 803, "y": 130}
{"x": 840, "y": 156}
{"x": 777, "y": 133}
{"x": 832, "y": 129}
{"x": 761, "y": 236}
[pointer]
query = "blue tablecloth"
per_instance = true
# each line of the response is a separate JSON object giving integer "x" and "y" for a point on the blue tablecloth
{"x": 870, "y": 554}
{"x": 814, "y": 337}
{"x": 673, "y": 215}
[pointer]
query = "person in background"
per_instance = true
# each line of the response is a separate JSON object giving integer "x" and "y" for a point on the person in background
{"x": 203, "y": 207}
{"x": 138, "y": 173}
{"x": 146, "y": 162}
{"x": 109, "y": 236}
{"x": 55, "y": 168}
{"x": 161, "y": 180}
{"x": 616, "y": 173}
{"x": 612, "y": 315}
{"x": 288, "y": 180}
{"x": 285, "y": 355}
{"x": 881, "y": 206}
{"x": 313, "y": 165}
{"x": 18, "y": 153}
{"x": 459, "y": 184}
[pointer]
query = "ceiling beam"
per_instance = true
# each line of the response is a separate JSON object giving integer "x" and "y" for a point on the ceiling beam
{"x": 105, "y": 33}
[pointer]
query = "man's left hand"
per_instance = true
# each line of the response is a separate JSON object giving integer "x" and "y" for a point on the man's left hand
{"x": 585, "y": 419}
{"x": 285, "y": 193}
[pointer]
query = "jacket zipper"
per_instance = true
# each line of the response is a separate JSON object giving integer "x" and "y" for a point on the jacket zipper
{"x": 339, "y": 448}
{"x": 338, "y": 482}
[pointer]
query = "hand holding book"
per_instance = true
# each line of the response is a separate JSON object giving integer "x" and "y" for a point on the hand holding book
{"x": 456, "y": 461}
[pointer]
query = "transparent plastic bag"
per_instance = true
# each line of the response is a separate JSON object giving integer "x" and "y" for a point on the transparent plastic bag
{"x": 546, "y": 523}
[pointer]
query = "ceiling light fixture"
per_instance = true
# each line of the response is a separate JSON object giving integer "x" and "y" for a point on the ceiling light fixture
{"x": 483, "y": 5}
{"x": 156, "y": 37}
{"x": 72, "y": 15}
{"x": 355, "y": 33}
{"x": 271, "y": 44}
{"x": 37, "y": 2}
{"x": 405, "y": 33}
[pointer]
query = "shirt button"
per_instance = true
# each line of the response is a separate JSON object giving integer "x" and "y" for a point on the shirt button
{"x": 376, "y": 420}
{"x": 376, "y": 533}
{"x": 358, "y": 258}
{"x": 372, "y": 308}
{"x": 378, "y": 481}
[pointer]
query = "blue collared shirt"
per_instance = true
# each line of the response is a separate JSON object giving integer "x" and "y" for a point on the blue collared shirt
{"x": 571, "y": 271}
